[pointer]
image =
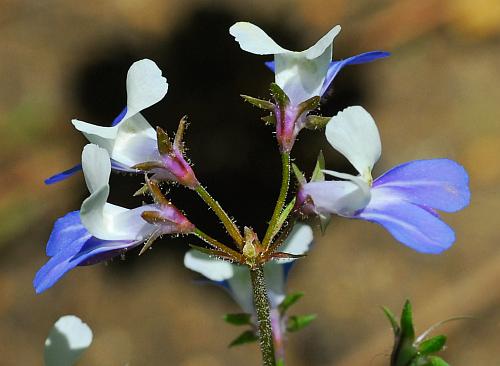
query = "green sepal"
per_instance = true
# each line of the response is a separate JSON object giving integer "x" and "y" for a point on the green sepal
{"x": 298, "y": 322}
{"x": 211, "y": 252}
{"x": 298, "y": 175}
{"x": 309, "y": 104}
{"x": 284, "y": 215}
{"x": 280, "y": 362}
{"x": 260, "y": 103}
{"x": 432, "y": 345}
{"x": 315, "y": 122}
{"x": 288, "y": 301}
{"x": 238, "y": 319}
{"x": 279, "y": 95}
{"x": 324, "y": 221}
{"x": 163, "y": 142}
{"x": 269, "y": 120}
{"x": 247, "y": 336}
{"x": 392, "y": 319}
{"x": 318, "y": 175}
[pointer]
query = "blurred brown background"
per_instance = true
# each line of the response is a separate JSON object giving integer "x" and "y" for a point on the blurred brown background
{"x": 436, "y": 96}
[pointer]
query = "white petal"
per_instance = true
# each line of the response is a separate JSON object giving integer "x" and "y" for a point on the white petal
{"x": 96, "y": 167}
{"x": 298, "y": 241}
{"x": 338, "y": 197}
{"x": 326, "y": 41}
{"x": 102, "y": 136}
{"x": 131, "y": 142}
{"x": 66, "y": 341}
{"x": 275, "y": 281}
{"x": 241, "y": 288}
{"x": 254, "y": 40}
{"x": 135, "y": 142}
{"x": 299, "y": 77}
{"x": 145, "y": 86}
{"x": 211, "y": 268}
{"x": 104, "y": 220}
{"x": 353, "y": 133}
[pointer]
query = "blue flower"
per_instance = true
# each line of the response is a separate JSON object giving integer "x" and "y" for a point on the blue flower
{"x": 101, "y": 230}
{"x": 404, "y": 200}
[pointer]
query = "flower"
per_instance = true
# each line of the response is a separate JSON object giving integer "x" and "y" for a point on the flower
{"x": 101, "y": 230}
{"x": 131, "y": 139}
{"x": 236, "y": 278}
{"x": 403, "y": 200}
{"x": 302, "y": 76}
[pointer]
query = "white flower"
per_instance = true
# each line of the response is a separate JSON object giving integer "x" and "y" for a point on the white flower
{"x": 132, "y": 140}
{"x": 300, "y": 74}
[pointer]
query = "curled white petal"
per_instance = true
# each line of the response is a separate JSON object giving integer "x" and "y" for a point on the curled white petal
{"x": 96, "y": 167}
{"x": 354, "y": 134}
{"x": 104, "y": 220}
{"x": 212, "y": 268}
{"x": 322, "y": 45}
{"x": 241, "y": 288}
{"x": 67, "y": 340}
{"x": 145, "y": 86}
{"x": 275, "y": 280}
{"x": 254, "y": 40}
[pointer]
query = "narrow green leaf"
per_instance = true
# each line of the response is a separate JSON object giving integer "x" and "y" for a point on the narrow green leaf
{"x": 260, "y": 103}
{"x": 247, "y": 336}
{"x": 298, "y": 174}
{"x": 289, "y": 301}
{"x": 316, "y": 122}
{"x": 437, "y": 361}
{"x": 296, "y": 323}
{"x": 318, "y": 175}
{"x": 394, "y": 323}
{"x": 432, "y": 345}
{"x": 238, "y": 319}
{"x": 407, "y": 329}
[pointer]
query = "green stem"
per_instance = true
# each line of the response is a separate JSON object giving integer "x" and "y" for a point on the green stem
{"x": 230, "y": 226}
{"x": 285, "y": 181}
{"x": 261, "y": 302}
{"x": 216, "y": 244}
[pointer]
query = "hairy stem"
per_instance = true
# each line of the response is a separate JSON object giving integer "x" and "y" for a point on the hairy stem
{"x": 230, "y": 226}
{"x": 261, "y": 302}
{"x": 285, "y": 181}
{"x": 216, "y": 244}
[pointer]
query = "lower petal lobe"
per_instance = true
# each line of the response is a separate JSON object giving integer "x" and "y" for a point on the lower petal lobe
{"x": 412, "y": 225}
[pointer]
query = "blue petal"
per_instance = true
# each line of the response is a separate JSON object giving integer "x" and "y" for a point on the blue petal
{"x": 437, "y": 183}
{"x": 119, "y": 118}
{"x": 336, "y": 66}
{"x": 412, "y": 225}
{"x": 71, "y": 245}
{"x": 63, "y": 175}
{"x": 67, "y": 230}
{"x": 270, "y": 65}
